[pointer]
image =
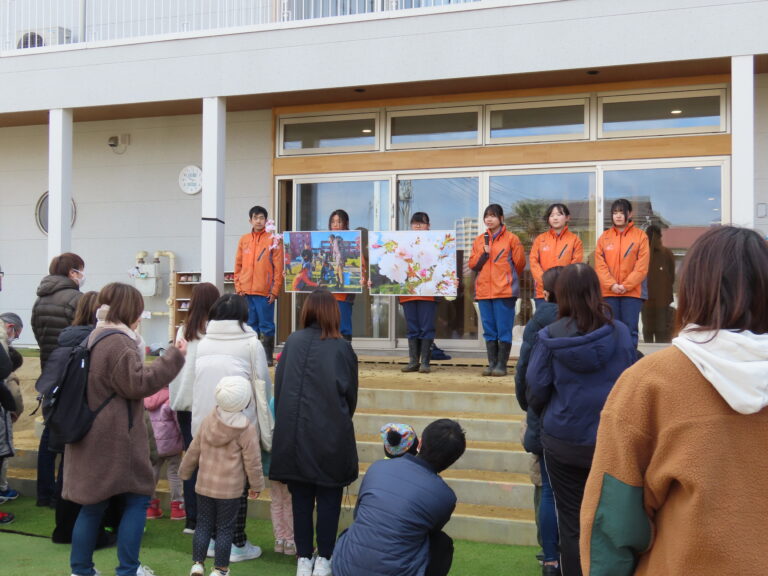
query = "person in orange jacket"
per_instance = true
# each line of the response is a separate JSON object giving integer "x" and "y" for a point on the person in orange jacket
{"x": 259, "y": 277}
{"x": 621, "y": 261}
{"x": 419, "y": 312}
{"x": 558, "y": 246}
{"x": 498, "y": 259}
{"x": 339, "y": 220}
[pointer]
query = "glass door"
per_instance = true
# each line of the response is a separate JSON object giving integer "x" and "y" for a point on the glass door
{"x": 525, "y": 196}
{"x": 451, "y": 201}
{"x": 367, "y": 201}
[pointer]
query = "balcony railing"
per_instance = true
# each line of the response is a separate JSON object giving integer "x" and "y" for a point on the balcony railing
{"x": 30, "y": 24}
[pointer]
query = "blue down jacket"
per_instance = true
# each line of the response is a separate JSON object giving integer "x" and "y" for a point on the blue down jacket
{"x": 569, "y": 377}
{"x": 401, "y": 501}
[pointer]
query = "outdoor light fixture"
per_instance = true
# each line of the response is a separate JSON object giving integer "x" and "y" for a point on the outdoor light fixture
{"x": 675, "y": 111}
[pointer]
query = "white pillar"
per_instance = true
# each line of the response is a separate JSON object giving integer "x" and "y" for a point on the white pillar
{"x": 214, "y": 155}
{"x": 743, "y": 141}
{"x": 59, "y": 182}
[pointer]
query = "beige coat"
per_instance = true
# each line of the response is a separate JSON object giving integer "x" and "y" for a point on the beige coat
{"x": 113, "y": 458}
{"x": 226, "y": 455}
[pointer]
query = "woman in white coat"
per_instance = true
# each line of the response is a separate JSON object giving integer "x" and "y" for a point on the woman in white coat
{"x": 229, "y": 348}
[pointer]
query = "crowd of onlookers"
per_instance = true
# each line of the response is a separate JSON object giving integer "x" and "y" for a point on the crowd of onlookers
{"x": 642, "y": 463}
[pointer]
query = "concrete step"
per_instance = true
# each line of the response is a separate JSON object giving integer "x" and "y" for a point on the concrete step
{"x": 490, "y": 427}
{"x": 439, "y": 400}
{"x": 489, "y": 456}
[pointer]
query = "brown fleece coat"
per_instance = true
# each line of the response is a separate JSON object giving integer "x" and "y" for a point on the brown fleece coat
{"x": 113, "y": 458}
{"x": 698, "y": 469}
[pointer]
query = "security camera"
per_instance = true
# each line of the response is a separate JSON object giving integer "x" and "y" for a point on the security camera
{"x": 113, "y": 141}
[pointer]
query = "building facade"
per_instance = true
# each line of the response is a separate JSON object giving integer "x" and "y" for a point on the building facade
{"x": 380, "y": 108}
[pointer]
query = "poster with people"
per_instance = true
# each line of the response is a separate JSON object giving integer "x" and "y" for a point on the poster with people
{"x": 413, "y": 263}
{"x": 325, "y": 259}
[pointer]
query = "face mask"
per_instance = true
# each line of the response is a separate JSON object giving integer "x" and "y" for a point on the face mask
{"x": 81, "y": 280}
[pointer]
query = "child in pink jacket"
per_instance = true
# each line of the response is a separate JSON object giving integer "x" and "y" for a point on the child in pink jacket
{"x": 170, "y": 446}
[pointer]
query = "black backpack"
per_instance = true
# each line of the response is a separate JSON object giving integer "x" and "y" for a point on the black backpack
{"x": 63, "y": 386}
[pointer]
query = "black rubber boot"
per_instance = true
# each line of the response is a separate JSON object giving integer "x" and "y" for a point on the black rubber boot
{"x": 426, "y": 354}
{"x": 501, "y": 366}
{"x": 492, "y": 348}
{"x": 269, "y": 348}
{"x": 549, "y": 570}
{"x": 413, "y": 355}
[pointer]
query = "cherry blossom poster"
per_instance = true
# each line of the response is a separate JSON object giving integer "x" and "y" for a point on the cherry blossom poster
{"x": 328, "y": 259}
{"x": 413, "y": 263}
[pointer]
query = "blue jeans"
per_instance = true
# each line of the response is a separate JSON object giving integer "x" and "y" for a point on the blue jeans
{"x": 129, "y": 536}
{"x": 261, "y": 315}
{"x": 627, "y": 310}
{"x": 498, "y": 316}
{"x": 345, "y": 310}
{"x": 48, "y": 488}
{"x": 548, "y": 517}
{"x": 420, "y": 318}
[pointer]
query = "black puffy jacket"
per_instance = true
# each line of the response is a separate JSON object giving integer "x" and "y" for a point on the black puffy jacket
{"x": 315, "y": 399}
{"x": 54, "y": 310}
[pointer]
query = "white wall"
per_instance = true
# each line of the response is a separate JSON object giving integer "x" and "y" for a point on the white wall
{"x": 125, "y": 203}
{"x": 761, "y": 149}
{"x": 469, "y": 43}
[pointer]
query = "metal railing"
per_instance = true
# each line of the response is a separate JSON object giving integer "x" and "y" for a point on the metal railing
{"x": 29, "y": 24}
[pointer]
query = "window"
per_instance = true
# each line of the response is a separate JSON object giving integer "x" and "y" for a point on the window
{"x": 662, "y": 113}
{"x": 440, "y": 127}
{"x": 329, "y": 134}
{"x": 451, "y": 203}
{"x": 674, "y": 206}
{"x": 537, "y": 122}
{"x": 525, "y": 196}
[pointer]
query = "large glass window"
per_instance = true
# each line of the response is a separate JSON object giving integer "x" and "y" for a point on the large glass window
{"x": 525, "y": 198}
{"x": 367, "y": 203}
{"x": 446, "y": 127}
{"x": 350, "y": 133}
{"x": 540, "y": 122}
{"x": 451, "y": 203}
{"x": 674, "y": 206}
{"x": 665, "y": 113}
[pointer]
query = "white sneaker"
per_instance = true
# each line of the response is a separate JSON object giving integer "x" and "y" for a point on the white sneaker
{"x": 322, "y": 567}
{"x": 211, "y": 549}
{"x": 144, "y": 571}
{"x": 197, "y": 569}
{"x": 95, "y": 573}
{"x": 245, "y": 552}
{"x": 217, "y": 572}
{"x": 304, "y": 567}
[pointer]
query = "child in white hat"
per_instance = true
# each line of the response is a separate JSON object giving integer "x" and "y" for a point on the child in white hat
{"x": 226, "y": 453}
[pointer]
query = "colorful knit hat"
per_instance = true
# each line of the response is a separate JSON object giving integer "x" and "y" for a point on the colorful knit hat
{"x": 403, "y": 434}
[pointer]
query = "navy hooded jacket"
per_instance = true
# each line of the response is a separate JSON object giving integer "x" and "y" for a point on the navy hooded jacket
{"x": 569, "y": 378}
{"x": 401, "y": 501}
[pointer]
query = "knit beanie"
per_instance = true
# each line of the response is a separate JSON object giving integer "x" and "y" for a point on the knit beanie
{"x": 233, "y": 393}
{"x": 398, "y": 439}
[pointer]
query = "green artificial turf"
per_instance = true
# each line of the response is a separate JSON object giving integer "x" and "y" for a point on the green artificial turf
{"x": 25, "y": 548}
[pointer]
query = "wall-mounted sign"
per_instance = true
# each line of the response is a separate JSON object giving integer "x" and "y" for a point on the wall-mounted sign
{"x": 191, "y": 179}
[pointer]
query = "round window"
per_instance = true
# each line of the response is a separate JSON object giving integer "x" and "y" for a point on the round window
{"x": 41, "y": 213}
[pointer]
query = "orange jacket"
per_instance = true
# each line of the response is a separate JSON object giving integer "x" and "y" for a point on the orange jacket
{"x": 499, "y": 276}
{"x": 404, "y": 299}
{"x": 550, "y": 250}
{"x": 622, "y": 258}
{"x": 258, "y": 270}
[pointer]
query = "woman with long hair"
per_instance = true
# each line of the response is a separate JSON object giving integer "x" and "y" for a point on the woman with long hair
{"x": 679, "y": 473}
{"x": 203, "y": 297}
{"x": 573, "y": 367}
{"x": 498, "y": 259}
{"x": 230, "y": 347}
{"x": 314, "y": 448}
{"x": 113, "y": 457}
